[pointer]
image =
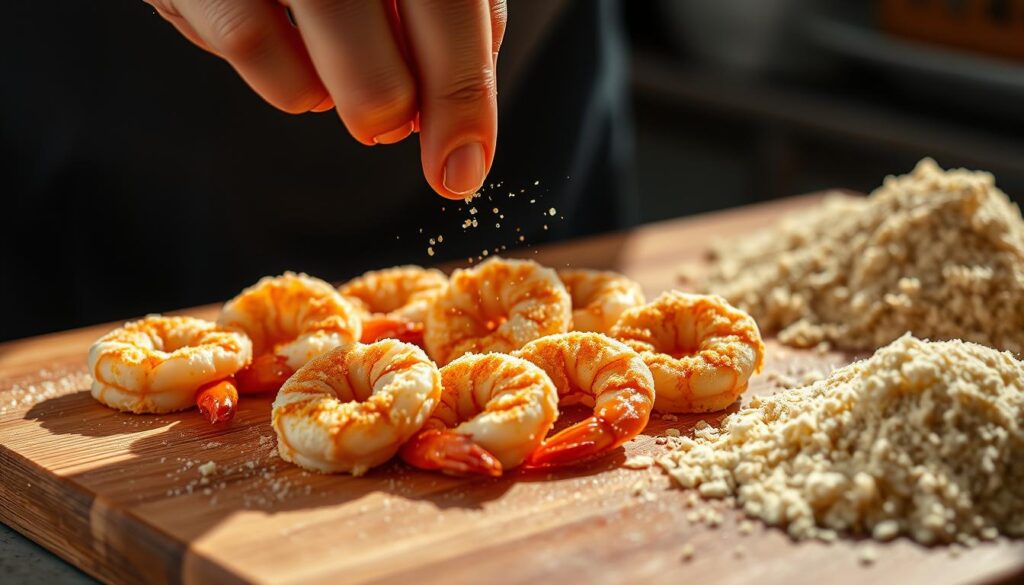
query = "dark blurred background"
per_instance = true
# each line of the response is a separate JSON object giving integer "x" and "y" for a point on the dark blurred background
{"x": 739, "y": 101}
{"x": 140, "y": 175}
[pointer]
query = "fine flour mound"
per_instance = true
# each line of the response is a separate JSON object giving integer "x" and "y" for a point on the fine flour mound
{"x": 922, "y": 439}
{"x": 936, "y": 253}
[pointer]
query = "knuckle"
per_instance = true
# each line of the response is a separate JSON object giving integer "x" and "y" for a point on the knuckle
{"x": 381, "y": 99}
{"x": 470, "y": 89}
{"x": 238, "y": 33}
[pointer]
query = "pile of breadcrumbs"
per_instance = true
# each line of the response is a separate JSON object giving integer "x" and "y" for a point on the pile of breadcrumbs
{"x": 937, "y": 253}
{"x": 923, "y": 439}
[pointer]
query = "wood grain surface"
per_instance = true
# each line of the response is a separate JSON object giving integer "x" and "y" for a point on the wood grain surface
{"x": 121, "y": 496}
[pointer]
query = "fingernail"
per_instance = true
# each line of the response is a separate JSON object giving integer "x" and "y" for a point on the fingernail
{"x": 464, "y": 169}
{"x": 393, "y": 136}
{"x": 323, "y": 106}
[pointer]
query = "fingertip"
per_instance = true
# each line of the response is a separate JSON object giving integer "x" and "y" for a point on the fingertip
{"x": 382, "y": 125}
{"x": 465, "y": 168}
{"x": 394, "y": 136}
{"x": 323, "y": 106}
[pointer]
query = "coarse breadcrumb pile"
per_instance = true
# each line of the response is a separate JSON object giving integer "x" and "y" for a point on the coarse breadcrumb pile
{"x": 936, "y": 253}
{"x": 922, "y": 439}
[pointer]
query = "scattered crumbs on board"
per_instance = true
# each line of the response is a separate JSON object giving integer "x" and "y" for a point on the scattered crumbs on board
{"x": 638, "y": 462}
{"x": 52, "y": 385}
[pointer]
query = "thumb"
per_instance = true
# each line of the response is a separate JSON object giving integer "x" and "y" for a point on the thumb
{"x": 451, "y": 42}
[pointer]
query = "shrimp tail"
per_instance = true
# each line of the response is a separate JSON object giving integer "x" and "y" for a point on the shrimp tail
{"x": 267, "y": 373}
{"x": 584, "y": 440}
{"x": 377, "y": 328}
{"x": 217, "y": 401}
{"x": 450, "y": 452}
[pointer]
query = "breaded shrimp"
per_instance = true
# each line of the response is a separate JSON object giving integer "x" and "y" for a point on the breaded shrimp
{"x": 495, "y": 410}
{"x": 499, "y": 305}
{"x": 394, "y": 301}
{"x": 158, "y": 364}
{"x": 291, "y": 319}
{"x": 599, "y": 297}
{"x": 701, "y": 350}
{"x": 599, "y": 372}
{"x": 351, "y": 408}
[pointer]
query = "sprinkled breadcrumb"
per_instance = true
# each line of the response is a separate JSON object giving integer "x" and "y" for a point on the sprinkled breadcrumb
{"x": 207, "y": 469}
{"x": 687, "y": 552}
{"x": 639, "y": 462}
{"x": 713, "y": 519}
{"x": 923, "y": 439}
{"x": 867, "y": 555}
{"x": 937, "y": 253}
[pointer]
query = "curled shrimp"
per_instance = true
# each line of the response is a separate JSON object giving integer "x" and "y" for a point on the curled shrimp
{"x": 158, "y": 364}
{"x": 291, "y": 319}
{"x": 351, "y": 408}
{"x": 599, "y": 297}
{"x": 495, "y": 410}
{"x": 500, "y": 305}
{"x": 701, "y": 350}
{"x": 599, "y": 372}
{"x": 401, "y": 291}
{"x": 394, "y": 301}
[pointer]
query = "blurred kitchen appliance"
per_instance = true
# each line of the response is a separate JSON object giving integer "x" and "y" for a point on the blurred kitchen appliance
{"x": 751, "y": 37}
{"x": 974, "y": 84}
{"x": 995, "y": 27}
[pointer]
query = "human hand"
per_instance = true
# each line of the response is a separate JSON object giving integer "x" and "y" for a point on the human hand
{"x": 389, "y": 67}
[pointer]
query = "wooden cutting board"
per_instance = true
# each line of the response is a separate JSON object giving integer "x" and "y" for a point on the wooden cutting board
{"x": 121, "y": 495}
